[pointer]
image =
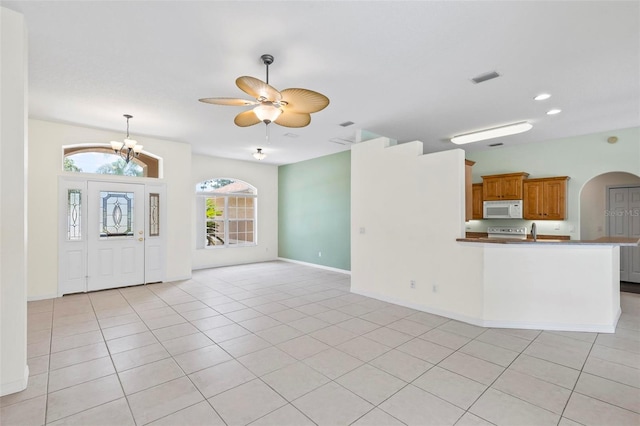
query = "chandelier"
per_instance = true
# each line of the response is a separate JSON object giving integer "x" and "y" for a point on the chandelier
{"x": 129, "y": 148}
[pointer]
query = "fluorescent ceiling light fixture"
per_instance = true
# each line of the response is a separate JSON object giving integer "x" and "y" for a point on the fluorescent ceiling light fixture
{"x": 496, "y": 132}
{"x": 542, "y": 97}
{"x": 554, "y": 111}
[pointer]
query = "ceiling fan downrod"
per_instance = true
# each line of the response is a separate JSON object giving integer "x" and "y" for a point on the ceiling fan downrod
{"x": 267, "y": 60}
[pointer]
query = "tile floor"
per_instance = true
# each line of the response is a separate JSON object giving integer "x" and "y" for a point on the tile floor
{"x": 283, "y": 344}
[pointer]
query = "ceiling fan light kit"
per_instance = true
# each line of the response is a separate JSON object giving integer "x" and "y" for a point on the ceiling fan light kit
{"x": 129, "y": 148}
{"x": 289, "y": 108}
{"x": 495, "y": 132}
{"x": 267, "y": 112}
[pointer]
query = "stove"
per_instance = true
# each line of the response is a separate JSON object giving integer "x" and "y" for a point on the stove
{"x": 513, "y": 232}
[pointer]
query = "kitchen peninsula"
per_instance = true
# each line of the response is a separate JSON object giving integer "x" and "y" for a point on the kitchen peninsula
{"x": 551, "y": 284}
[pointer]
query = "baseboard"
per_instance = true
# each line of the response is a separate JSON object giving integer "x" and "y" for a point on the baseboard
{"x": 17, "y": 385}
{"x": 177, "y": 278}
{"x": 42, "y": 297}
{"x": 419, "y": 307}
{"x": 592, "y": 328}
{"x": 313, "y": 265}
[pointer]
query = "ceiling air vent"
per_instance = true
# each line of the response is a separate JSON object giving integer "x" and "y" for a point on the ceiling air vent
{"x": 347, "y": 123}
{"x": 496, "y": 144}
{"x": 342, "y": 141}
{"x": 484, "y": 77}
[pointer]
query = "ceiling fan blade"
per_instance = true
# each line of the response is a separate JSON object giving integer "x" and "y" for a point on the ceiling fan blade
{"x": 293, "y": 119}
{"x": 246, "y": 119}
{"x": 303, "y": 100}
{"x": 258, "y": 89}
{"x": 228, "y": 101}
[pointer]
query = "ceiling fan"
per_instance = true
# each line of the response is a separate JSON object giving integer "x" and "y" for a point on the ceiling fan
{"x": 289, "y": 108}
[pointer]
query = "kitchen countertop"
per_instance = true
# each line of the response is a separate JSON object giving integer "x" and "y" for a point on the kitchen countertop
{"x": 618, "y": 241}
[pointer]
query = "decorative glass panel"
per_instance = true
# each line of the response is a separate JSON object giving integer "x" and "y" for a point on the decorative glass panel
{"x": 74, "y": 204}
{"x": 154, "y": 215}
{"x": 116, "y": 214}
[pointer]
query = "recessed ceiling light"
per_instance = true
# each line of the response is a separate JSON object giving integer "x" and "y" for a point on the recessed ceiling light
{"x": 554, "y": 111}
{"x": 542, "y": 97}
{"x": 496, "y": 132}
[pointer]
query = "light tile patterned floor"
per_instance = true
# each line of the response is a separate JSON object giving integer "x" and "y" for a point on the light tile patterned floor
{"x": 283, "y": 344}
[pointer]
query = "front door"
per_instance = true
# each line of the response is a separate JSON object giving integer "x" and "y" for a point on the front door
{"x": 115, "y": 234}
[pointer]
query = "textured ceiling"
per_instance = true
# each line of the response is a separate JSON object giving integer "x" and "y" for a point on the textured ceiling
{"x": 398, "y": 69}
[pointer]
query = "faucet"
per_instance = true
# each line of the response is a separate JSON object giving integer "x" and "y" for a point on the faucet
{"x": 534, "y": 232}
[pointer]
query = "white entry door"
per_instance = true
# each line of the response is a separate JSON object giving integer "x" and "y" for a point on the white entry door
{"x": 115, "y": 234}
{"x": 624, "y": 221}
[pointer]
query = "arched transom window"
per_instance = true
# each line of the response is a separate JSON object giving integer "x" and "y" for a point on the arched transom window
{"x": 102, "y": 160}
{"x": 226, "y": 213}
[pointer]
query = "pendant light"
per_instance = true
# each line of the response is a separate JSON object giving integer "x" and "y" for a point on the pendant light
{"x": 129, "y": 148}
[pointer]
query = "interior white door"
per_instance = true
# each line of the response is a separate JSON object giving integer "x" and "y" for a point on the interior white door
{"x": 634, "y": 232}
{"x": 116, "y": 223}
{"x": 624, "y": 221}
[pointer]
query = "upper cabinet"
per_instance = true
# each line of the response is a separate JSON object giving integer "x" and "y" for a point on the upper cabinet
{"x": 468, "y": 164}
{"x": 476, "y": 211}
{"x": 503, "y": 187}
{"x": 545, "y": 198}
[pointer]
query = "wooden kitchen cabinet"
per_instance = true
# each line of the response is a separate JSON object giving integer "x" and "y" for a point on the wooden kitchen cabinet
{"x": 476, "y": 190}
{"x": 468, "y": 199}
{"x": 545, "y": 198}
{"x": 503, "y": 187}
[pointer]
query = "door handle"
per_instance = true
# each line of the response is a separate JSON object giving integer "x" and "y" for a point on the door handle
{"x": 140, "y": 239}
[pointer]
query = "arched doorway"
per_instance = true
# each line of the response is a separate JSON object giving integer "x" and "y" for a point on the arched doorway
{"x": 610, "y": 206}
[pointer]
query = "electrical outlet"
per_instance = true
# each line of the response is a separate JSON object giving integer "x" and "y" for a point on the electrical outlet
{"x": 434, "y": 288}
{"x": 412, "y": 284}
{"x": 362, "y": 230}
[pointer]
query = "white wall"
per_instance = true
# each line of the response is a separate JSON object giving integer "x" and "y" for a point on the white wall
{"x": 265, "y": 178}
{"x": 407, "y": 209}
{"x": 45, "y": 164}
{"x": 406, "y": 213}
{"x": 13, "y": 187}
{"x": 580, "y": 157}
{"x": 593, "y": 203}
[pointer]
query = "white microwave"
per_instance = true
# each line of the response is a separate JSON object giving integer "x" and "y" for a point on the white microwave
{"x": 503, "y": 209}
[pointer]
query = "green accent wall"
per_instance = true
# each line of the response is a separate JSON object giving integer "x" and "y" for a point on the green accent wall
{"x": 314, "y": 211}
